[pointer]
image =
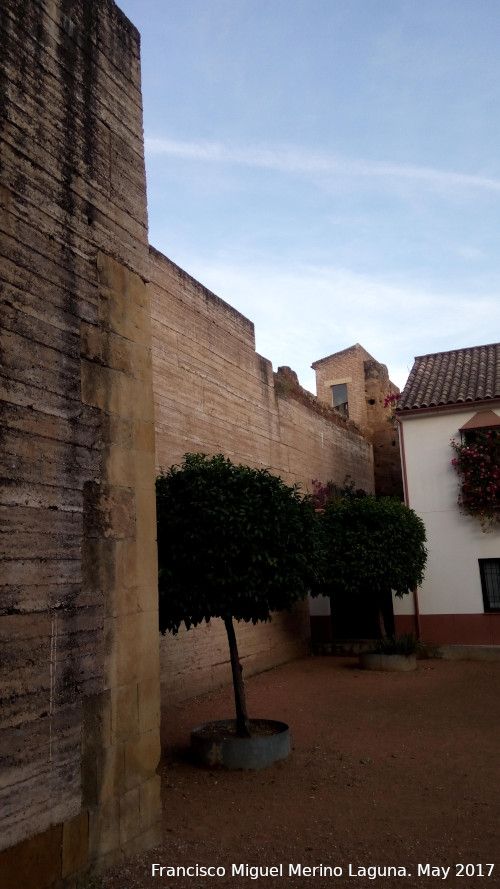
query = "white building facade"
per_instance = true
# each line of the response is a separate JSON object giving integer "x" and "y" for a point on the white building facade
{"x": 459, "y": 601}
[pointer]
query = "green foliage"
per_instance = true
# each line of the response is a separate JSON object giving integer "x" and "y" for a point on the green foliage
{"x": 404, "y": 644}
{"x": 374, "y": 544}
{"x": 322, "y": 495}
{"x": 232, "y": 542}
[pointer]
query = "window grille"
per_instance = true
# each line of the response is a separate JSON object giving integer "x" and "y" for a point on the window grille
{"x": 490, "y": 583}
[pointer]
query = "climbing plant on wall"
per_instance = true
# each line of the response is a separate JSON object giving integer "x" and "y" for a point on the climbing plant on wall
{"x": 477, "y": 462}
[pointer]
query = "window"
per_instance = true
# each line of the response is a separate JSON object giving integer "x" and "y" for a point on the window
{"x": 339, "y": 396}
{"x": 476, "y": 436}
{"x": 490, "y": 583}
{"x": 481, "y": 423}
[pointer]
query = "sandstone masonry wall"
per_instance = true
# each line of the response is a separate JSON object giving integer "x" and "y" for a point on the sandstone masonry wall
{"x": 79, "y": 722}
{"x": 214, "y": 394}
{"x": 382, "y": 430}
{"x": 80, "y": 660}
{"x": 368, "y": 384}
{"x": 346, "y": 366}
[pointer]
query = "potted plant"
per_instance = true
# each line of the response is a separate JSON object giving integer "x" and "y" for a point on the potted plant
{"x": 392, "y": 653}
{"x": 374, "y": 546}
{"x": 235, "y": 543}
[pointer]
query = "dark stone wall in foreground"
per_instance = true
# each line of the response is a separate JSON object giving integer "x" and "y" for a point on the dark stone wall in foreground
{"x": 79, "y": 713}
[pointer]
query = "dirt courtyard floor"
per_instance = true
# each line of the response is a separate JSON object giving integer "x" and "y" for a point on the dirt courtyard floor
{"x": 387, "y": 770}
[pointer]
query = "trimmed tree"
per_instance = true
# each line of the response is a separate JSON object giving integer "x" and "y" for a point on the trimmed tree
{"x": 235, "y": 543}
{"x": 372, "y": 546}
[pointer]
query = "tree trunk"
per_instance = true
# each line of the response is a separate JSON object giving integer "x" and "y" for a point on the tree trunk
{"x": 242, "y": 721}
{"x": 381, "y": 623}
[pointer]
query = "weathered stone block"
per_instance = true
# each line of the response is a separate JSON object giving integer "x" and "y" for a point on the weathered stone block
{"x": 98, "y": 564}
{"x": 134, "y": 399}
{"x": 121, "y": 354}
{"x": 142, "y": 755}
{"x": 110, "y": 772}
{"x": 104, "y": 828}
{"x": 75, "y": 844}
{"x": 126, "y": 598}
{"x": 142, "y": 363}
{"x": 127, "y": 566}
{"x": 108, "y": 512}
{"x": 146, "y": 508}
{"x": 125, "y": 712}
{"x": 34, "y": 864}
{"x": 150, "y": 802}
{"x": 118, "y": 430}
{"x": 130, "y": 825}
{"x": 97, "y": 710}
{"x": 121, "y": 466}
{"x": 124, "y": 316}
{"x": 93, "y": 342}
{"x": 144, "y": 471}
{"x": 99, "y": 387}
{"x": 135, "y": 640}
{"x": 149, "y": 706}
{"x": 151, "y": 837}
{"x": 144, "y": 437}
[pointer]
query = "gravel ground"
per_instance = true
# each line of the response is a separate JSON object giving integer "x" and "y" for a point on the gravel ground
{"x": 388, "y": 770}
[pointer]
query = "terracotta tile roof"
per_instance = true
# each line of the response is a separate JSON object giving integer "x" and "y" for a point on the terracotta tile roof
{"x": 447, "y": 378}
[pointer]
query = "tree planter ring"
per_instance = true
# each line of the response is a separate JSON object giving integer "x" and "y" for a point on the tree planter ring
{"x": 389, "y": 663}
{"x": 215, "y": 744}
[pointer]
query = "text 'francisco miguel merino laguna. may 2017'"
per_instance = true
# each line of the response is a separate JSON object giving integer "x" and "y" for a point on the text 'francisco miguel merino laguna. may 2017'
{"x": 370, "y": 872}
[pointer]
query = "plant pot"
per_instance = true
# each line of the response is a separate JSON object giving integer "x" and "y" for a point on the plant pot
{"x": 390, "y": 663}
{"x": 216, "y": 744}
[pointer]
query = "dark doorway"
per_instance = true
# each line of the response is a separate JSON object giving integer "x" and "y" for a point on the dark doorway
{"x": 358, "y": 618}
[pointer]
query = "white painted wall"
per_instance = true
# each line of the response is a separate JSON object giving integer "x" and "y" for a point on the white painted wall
{"x": 455, "y": 542}
{"x": 319, "y": 606}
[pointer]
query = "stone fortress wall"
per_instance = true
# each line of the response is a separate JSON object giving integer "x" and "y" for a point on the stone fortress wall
{"x": 79, "y": 656}
{"x": 368, "y": 385}
{"x": 114, "y": 362}
{"x": 213, "y": 393}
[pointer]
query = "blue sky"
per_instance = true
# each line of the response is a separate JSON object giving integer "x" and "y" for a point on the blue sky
{"x": 331, "y": 168}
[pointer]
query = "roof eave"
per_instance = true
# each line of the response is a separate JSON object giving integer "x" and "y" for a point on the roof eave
{"x": 456, "y": 406}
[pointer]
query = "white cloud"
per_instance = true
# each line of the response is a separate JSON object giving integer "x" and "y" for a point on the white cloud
{"x": 306, "y": 313}
{"x": 300, "y": 161}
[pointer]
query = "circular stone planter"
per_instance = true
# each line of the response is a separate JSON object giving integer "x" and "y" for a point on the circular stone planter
{"x": 216, "y": 744}
{"x": 390, "y": 663}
